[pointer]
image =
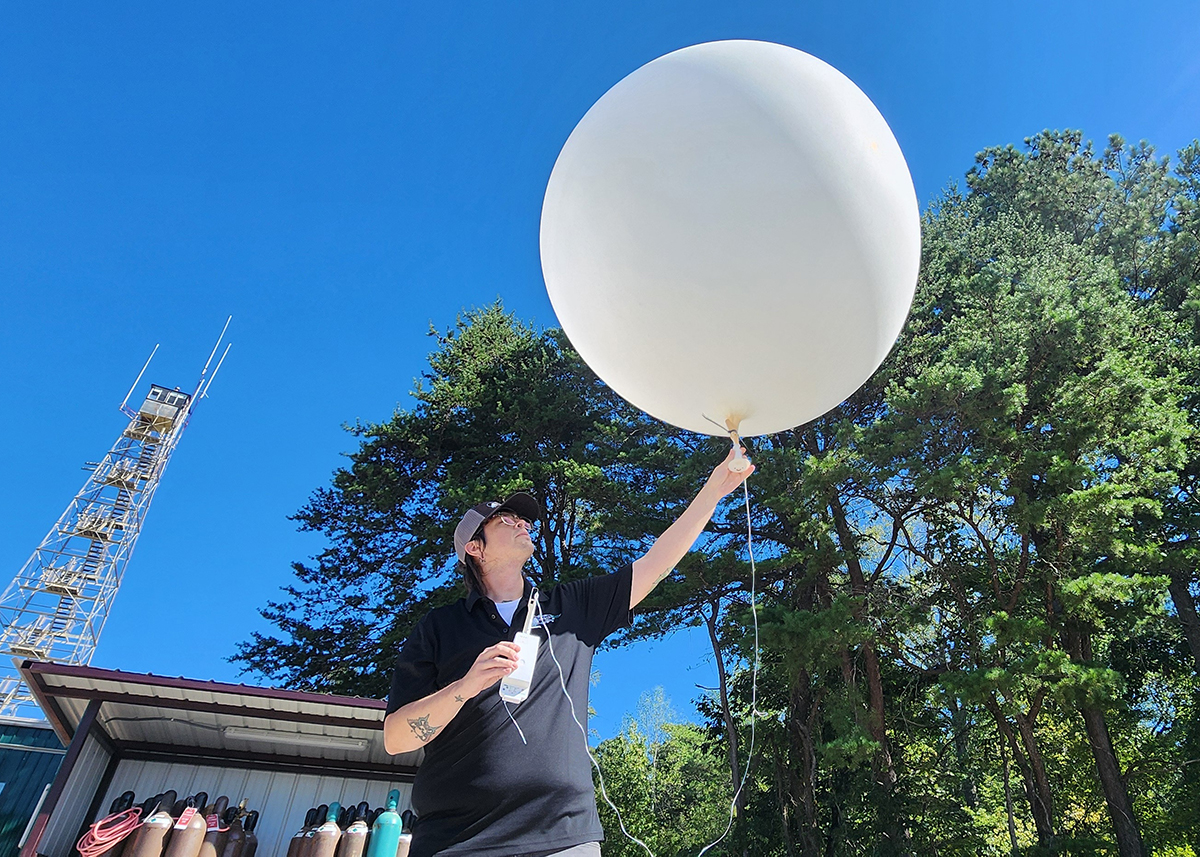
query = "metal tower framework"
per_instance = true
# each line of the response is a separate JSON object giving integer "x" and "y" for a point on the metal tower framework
{"x": 57, "y": 605}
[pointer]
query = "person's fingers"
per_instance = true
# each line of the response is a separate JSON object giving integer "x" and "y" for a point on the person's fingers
{"x": 507, "y": 650}
{"x": 500, "y": 659}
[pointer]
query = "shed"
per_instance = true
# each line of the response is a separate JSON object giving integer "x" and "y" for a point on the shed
{"x": 282, "y": 750}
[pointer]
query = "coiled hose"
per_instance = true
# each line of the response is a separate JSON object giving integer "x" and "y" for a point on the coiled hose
{"x": 107, "y": 832}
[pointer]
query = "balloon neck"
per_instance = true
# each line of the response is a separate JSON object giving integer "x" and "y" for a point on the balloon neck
{"x": 739, "y": 463}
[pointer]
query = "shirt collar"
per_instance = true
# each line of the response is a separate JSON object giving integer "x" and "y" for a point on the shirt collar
{"x": 475, "y": 596}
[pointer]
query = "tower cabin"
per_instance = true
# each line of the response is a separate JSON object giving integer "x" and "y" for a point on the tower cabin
{"x": 159, "y": 412}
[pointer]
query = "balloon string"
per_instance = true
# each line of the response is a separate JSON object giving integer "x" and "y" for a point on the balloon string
{"x": 754, "y": 713}
{"x": 753, "y": 676}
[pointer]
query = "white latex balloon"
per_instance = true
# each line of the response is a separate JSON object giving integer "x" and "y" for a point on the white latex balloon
{"x": 731, "y": 232}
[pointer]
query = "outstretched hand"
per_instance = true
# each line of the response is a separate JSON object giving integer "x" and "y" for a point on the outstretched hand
{"x": 723, "y": 480}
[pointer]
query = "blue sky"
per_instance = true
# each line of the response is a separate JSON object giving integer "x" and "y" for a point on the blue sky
{"x": 339, "y": 177}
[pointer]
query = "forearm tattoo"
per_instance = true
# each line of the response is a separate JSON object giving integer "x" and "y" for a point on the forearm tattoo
{"x": 458, "y": 698}
{"x": 421, "y": 728}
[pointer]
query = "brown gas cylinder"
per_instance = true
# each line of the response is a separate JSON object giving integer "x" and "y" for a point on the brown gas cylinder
{"x": 326, "y": 837}
{"x": 251, "y": 837}
{"x": 188, "y": 833}
{"x": 371, "y": 816}
{"x": 215, "y": 831}
{"x": 148, "y": 839}
{"x": 307, "y": 840}
{"x": 343, "y": 821}
{"x": 235, "y": 839}
{"x": 354, "y": 837}
{"x": 297, "y": 843}
{"x": 406, "y": 820}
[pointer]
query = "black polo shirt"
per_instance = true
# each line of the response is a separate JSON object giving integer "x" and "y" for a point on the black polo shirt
{"x": 480, "y": 790}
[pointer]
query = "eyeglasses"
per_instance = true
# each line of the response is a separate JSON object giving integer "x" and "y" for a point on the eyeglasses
{"x": 514, "y": 521}
{"x": 510, "y": 520}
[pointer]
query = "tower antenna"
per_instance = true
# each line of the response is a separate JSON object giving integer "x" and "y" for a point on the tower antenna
{"x": 136, "y": 380}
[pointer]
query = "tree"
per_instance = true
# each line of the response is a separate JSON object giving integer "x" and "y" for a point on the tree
{"x": 502, "y": 408}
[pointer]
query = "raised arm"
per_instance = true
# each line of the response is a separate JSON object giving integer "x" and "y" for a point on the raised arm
{"x": 669, "y": 548}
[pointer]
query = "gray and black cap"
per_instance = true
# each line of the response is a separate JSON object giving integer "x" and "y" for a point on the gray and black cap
{"x": 521, "y": 503}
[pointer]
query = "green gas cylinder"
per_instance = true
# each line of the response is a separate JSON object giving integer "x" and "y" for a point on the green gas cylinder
{"x": 385, "y": 832}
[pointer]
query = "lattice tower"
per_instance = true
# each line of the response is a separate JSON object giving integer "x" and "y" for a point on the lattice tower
{"x": 57, "y": 605}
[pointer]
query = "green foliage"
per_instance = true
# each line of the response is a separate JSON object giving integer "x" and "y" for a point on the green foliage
{"x": 667, "y": 780}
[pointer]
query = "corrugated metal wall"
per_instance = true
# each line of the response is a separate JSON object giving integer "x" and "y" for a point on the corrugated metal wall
{"x": 281, "y": 798}
{"x": 25, "y": 775}
{"x": 60, "y": 836}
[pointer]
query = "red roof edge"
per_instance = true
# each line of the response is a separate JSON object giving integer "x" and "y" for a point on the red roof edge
{"x": 99, "y": 674}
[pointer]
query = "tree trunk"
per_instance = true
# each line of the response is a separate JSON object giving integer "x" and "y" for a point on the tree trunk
{"x": 1037, "y": 794}
{"x": 1008, "y": 803}
{"x": 1185, "y": 608}
{"x": 885, "y": 766}
{"x": 785, "y": 805}
{"x": 1120, "y": 807}
{"x": 1037, "y": 764}
{"x": 802, "y": 717}
{"x": 731, "y": 743}
{"x": 1125, "y": 826}
{"x": 961, "y": 726}
{"x": 876, "y": 721}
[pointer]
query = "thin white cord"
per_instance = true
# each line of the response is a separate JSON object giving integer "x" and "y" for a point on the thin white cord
{"x": 753, "y": 678}
{"x": 583, "y": 729}
{"x": 753, "y": 703}
{"x": 514, "y": 720}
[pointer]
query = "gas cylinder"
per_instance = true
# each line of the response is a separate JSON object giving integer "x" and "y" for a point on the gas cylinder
{"x": 188, "y": 833}
{"x": 344, "y": 819}
{"x": 318, "y": 820}
{"x": 371, "y": 816}
{"x": 385, "y": 832}
{"x": 298, "y": 837}
{"x": 148, "y": 839}
{"x": 251, "y": 837}
{"x": 215, "y": 831}
{"x": 354, "y": 837}
{"x": 122, "y": 803}
{"x": 406, "y": 820}
{"x": 196, "y": 802}
{"x": 235, "y": 839}
{"x": 325, "y": 838}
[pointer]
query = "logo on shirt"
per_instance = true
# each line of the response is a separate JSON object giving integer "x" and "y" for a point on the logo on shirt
{"x": 542, "y": 620}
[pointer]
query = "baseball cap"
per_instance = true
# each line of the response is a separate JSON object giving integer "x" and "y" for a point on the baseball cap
{"x": 521, "y": 503}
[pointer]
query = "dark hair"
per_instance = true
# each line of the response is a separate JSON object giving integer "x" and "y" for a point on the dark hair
{"x": 472, "y": 576}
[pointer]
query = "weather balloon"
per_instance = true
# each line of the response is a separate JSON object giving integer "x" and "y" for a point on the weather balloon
{"x": 731, "y": 234}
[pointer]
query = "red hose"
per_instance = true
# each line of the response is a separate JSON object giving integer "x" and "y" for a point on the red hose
{"x": 107, "y": 832}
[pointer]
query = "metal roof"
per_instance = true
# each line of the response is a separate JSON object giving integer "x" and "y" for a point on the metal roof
{"x": 144, "y": 715}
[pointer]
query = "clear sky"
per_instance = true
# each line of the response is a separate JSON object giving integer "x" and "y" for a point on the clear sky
{"x": 339, "y": 177}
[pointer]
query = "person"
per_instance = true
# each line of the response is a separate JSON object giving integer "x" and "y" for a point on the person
{"x": 514, "y": 780}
